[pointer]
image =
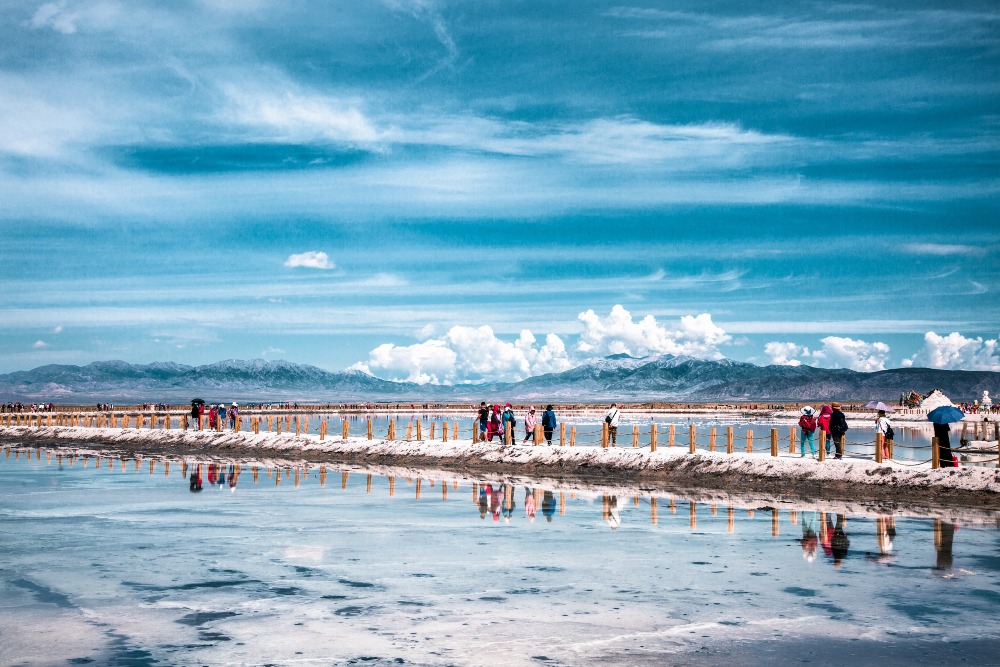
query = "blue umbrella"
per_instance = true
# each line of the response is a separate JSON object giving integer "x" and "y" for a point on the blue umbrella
{"x": 945, "y": 414}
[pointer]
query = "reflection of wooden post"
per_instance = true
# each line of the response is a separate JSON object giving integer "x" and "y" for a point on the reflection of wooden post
{"x": 692, "y": 439}
{"x": 562, "y": 503}
{"x": 935, "y": 454}
{"x": 822, "y": 445}
{"x": 152, "y": 466}
{"x": 368, "y": 484}
{"x": 418, "y": 484}
{"x": 793, "y": 517}
{"x": 652, "y": 437}
{"x": 822, "y": 527}
{"x": 774, "y": 442}
{"x": 653, "y": 511}
{"x": 392, "y": 486}
{"x": 673, "y": 435}
{"x": 749, "y": 441}
{"x": 444, "y": 492}
{"x": 937, "y": 534}
{"x": 673, "y": 506}
{"x": 711, "y": 439}
{"x": 605, "y": 508}
{"x": 562, "y": 434}
{"x": 694, "y": 515}
{"x": 774, "y": 522}
{"x": 255, "y": 471}
{"x": 729, "y": 440}
{"x": 730, "y": 519}
{"x": 343, "y": 480}
{"x": 635, "y": 436}
{"x": 572, "y": 436}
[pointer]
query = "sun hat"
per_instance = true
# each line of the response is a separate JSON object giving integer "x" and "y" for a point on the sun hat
{"x": 807, "y": 410}
{"x": 835, "y": 405}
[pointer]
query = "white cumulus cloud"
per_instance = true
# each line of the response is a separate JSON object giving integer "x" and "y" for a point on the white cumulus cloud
{"x": 957, "y": 352}
{"x": 785, "y": 354}
{"x": 311, "y": 260}
{"x": 858, "y": 355}
{"x": 696, "y": 336}
{"x": 467, "y": 354}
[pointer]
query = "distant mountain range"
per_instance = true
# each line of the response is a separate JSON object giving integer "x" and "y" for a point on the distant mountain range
{"x": 664, "y": 378}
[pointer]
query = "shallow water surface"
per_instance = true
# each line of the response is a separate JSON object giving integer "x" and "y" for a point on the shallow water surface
{"x": 119, "y": 565}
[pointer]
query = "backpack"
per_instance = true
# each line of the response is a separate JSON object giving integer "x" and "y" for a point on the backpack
{"x": 889, "y": 433}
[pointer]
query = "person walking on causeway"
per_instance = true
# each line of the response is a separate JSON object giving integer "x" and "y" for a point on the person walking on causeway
{"x": 838, "y": 429}
{"x": 824, "y": 425}
{"x": 530, "y": 421}
{"x": 807, "y": 425}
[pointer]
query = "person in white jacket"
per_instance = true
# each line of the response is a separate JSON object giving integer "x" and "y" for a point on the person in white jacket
{"x": 613, "y": 418}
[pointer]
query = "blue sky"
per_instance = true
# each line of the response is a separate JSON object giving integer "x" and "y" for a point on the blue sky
{"x": 456, "y": 191}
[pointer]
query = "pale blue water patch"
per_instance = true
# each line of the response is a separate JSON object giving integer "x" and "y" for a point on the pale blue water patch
{"x": 134, "y": 568}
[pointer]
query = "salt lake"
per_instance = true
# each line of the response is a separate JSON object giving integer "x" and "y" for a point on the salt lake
{"x": 126, "y": 564}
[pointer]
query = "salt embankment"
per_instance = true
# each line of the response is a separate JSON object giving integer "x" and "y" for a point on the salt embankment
{"x": 850, "y": 478}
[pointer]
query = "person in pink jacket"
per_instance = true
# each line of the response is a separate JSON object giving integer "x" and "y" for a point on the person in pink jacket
{"x": 529, "y": 425}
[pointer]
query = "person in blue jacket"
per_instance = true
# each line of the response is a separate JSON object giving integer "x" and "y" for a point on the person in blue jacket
{"x": 548, "y": 422}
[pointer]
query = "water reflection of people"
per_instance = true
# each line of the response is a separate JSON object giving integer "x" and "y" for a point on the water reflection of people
{"x": 484, "y": 501}
{"x": 496, "y": 501}
{"x": 529, "y": 503}
{"x": 613, "y": 517}
{"x": 944, "y": 537}
{"x": 548, "y": 506}
{"x": 839, "y": 542}
{"x": 809, "y": 541}
{"x": 195, "y": 480}
{"x": 885, "y": 531}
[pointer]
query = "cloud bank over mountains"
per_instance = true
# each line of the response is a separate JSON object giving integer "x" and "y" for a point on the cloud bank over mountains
{"x": 476, "y": 354}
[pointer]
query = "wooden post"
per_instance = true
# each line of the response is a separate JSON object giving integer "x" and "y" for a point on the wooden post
{"x": 774, "y": 442}
{"x": 298, "y": 427}
{"x": 562, "y": 434}
{"x": 673, "y": 435}
{"x": 878, "y": 447}
{"x": 369, "y": 431}
{"x": 822, "y": 445}
{"x": 444, "y": 432}
{"x": 572, "y": 436}
{"x": 749, "y": 441}
{"x": 433, "y": 424}
{"x": 475, "y": 431}
{"x": 604, "y": 435}
{"x": 791, "y": 440}
{"x": 409, "y": 431}
{"x": 692, "y": 439}
{"x": 345, "y": 427}
{"x": 391, "y": 434}
{"x": 539, "y": 434}
{"x": 935, "y": 454}
{"x": 508, "y": 437}
{"x": 278, "y": 422}
{"x": 420, "y": 430}
{"x": 322, "y": 430}
{"x": 269, "y": 425}
{"x": 711, "y": 439}
{"x": 635, "y": 436}
{"x": 652, "y": 439}
{"x": 729, "y": 440}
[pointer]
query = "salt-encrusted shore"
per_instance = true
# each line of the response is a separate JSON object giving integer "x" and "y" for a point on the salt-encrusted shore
{"x": 848, "y": 479}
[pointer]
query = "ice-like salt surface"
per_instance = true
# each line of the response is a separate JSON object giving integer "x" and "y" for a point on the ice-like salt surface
{"x": 109, "y": 566}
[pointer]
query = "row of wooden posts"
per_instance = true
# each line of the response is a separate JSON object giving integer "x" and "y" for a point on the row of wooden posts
{"x": 280, "y": 424}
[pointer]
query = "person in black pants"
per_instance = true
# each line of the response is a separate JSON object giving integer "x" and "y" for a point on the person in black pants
{"x": 838, "y": 428}
{"x": 944, "y": 445}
